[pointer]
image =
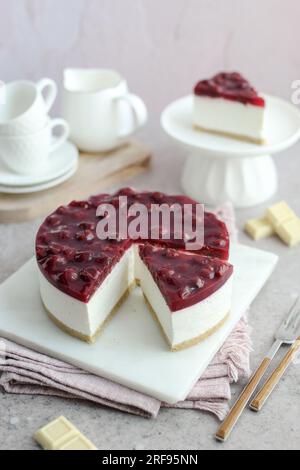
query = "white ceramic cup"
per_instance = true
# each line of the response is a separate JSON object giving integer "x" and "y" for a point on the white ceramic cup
{"x": 99, "y": 109}
{"x": 26, "y": 106}
{"x": 26, "y": 155}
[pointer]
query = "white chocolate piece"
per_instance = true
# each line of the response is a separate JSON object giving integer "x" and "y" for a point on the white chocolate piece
{"x": 79, "y": 442}
{"x": 60, "y": 434}
{"x": 259, "y": 228}
{"x": 289, "y": 232}
{"x": 279, "y": 213}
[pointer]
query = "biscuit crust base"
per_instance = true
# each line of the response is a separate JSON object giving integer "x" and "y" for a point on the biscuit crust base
{"x": 92, "y": 339}
{"x": 231, "y": 135}
{"x": 190, "y": 342}
{"x": 87, "y": 338}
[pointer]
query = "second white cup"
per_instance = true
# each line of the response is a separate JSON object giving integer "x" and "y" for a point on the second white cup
{"x": 26, "y": 106}
{"x": 26, "y": 155}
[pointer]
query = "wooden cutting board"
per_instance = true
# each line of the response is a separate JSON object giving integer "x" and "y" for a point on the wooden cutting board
{"x": 95, "y": 173}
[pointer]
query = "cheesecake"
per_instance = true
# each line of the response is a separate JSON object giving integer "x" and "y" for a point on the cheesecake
{"x": 84, "y": 279}
{"x": 189, "y": 295}
{"x": 228, "y": 105}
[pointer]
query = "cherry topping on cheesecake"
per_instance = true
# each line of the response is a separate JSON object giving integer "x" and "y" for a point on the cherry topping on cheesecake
{"x": 216, "y": 237}
{"x": 183, "y": 278}
{"x": 231, "y": 86}
{"x": 76, "y": 261}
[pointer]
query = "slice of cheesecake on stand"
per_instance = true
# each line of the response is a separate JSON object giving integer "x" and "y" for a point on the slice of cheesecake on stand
{"x": 228, "y": 105}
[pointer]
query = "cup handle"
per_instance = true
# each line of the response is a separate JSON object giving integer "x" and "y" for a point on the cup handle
{"x": 65, "y": 131}
{"x": 138, "y": 111}
{"x": 51, "y": 91}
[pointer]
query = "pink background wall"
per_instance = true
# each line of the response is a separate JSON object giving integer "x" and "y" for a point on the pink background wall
{"x": 161, "y": 46}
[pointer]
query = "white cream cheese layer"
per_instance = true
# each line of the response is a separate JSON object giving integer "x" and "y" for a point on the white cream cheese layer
{"x": 179, "y": 326}
{"x": 87, "y": 318}
{"x": 221, "y": 115}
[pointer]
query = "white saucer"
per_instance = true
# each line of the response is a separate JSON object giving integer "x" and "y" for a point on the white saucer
{"x": 39, "y": 187}
{"x": 60, "y": 162}
{"x": 282, "y": 129}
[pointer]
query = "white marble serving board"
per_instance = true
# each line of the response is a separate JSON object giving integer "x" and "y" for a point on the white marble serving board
{"x": 131, "y": 350}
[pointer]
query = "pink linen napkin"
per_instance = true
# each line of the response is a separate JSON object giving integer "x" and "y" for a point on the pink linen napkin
{"x": 27, "y": 372}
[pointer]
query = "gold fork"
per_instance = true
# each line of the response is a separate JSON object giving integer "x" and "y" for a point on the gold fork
{"x": 287, "y": 334}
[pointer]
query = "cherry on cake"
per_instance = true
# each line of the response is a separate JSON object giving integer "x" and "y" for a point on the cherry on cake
{"x": 83, "y": 279}
{"x": 228, "y": 105}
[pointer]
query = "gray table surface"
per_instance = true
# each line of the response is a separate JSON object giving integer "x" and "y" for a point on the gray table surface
{"x": 276, "y": 427}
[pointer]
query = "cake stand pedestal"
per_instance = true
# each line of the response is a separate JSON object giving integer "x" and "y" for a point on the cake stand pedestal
{"x": 243, "y": 181}
{"x": 220, "y": 169}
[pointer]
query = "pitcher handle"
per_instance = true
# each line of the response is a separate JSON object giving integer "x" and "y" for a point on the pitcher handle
{"x": 138, "y": 111}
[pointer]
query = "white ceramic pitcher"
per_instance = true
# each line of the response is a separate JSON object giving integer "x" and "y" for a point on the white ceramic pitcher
{"x": 99, "y": 109}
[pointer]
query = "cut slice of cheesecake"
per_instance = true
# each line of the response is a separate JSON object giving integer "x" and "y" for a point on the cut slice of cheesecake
{"x": 189, "y": 295}
{"x": 228, "y": 105}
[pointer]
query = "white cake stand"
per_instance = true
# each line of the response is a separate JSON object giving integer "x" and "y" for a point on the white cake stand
{"x": 222, "y": 169}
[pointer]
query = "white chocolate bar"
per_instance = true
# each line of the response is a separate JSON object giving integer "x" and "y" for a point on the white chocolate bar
{"x": 289, "y": 232}
{"x": 279, "y": 213}
{"x": 61, "y": 434}
{"x": 259, "y": 228}
{"x": 79, "y": 442}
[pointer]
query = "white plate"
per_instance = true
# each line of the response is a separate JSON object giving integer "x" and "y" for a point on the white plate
{"x": 60, "y": 162}
{"x": 282, "y": 129}
{"x": 39, "y": 187}
{"x": 131, "y": 349}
